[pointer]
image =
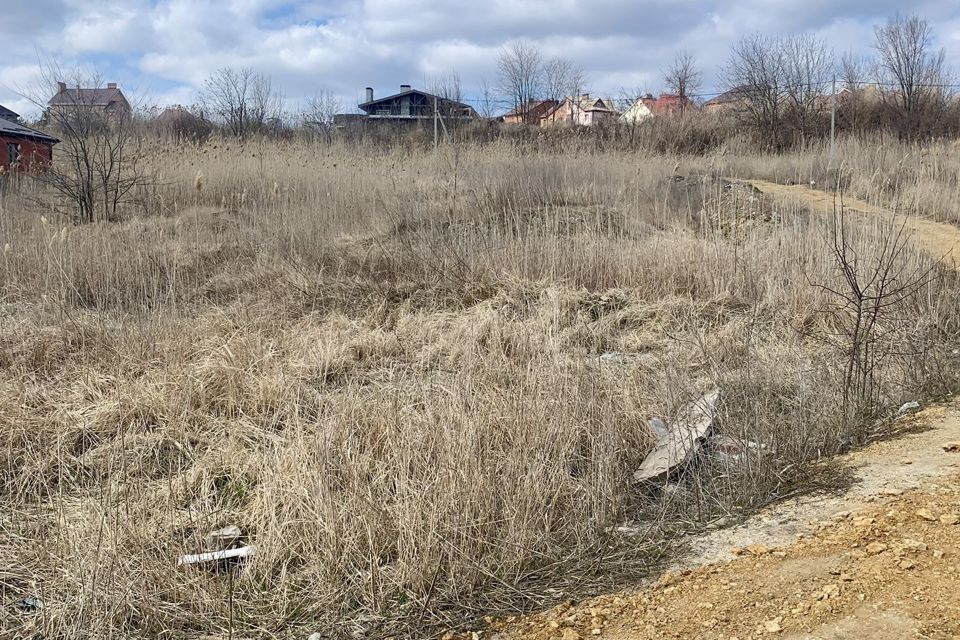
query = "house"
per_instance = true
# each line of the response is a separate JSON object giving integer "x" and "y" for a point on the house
{"x": 727, "y": 100}
{"x": 530, "y": 112}
{"x": 23, "y": 148}
{"x": 109, "y": 101}
{"x": 636, "y": 112}
{"x": 413, "y": 105}
{"x": 667, "y": 103}
{"x": 7, "y": 114}
{"x": 583, "y": 111}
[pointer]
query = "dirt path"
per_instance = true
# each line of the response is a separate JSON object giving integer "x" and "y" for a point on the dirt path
{"x": 882, "y": 561}
{"x": 940, "y": 239}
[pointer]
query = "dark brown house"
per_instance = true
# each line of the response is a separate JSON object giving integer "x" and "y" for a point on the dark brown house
{"x": 413, "y": 105}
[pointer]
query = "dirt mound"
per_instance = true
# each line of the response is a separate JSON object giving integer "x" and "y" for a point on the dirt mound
{"x": 731, "y": 208}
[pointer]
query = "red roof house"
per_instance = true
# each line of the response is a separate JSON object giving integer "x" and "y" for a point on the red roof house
{"x": 667, "y": 103}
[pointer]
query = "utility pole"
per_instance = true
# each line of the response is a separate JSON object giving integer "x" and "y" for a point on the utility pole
{"x": 833, "y": 120}
{"x": 435, "y": 132}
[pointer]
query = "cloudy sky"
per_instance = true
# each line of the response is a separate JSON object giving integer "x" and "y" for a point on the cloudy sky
{"x": 163, "y": 49}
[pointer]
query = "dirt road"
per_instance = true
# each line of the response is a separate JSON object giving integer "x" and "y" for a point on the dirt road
{"x": 879, "y": 561}
{"x": 941, "y": 240}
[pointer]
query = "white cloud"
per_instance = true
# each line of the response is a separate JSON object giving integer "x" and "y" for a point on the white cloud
{"x": 344, "y": 45}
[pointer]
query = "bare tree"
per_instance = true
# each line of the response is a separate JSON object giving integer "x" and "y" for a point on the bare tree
{"x": 807, "y": 72}
{"x": 487, "y": 103}
{"x": 683, "y": 77}
{"x": 100, "y": 156}
{"x": 562, "y": 78}
{"x": 909, "y": 64}
{"x": 520, "y": 74}
{"x": 446, "y": 85}
{"x": 319, "y": 110}
{"x": 755, "y": 72}
{"x": 242, "y": 99}
{"x": 852, "y": 71}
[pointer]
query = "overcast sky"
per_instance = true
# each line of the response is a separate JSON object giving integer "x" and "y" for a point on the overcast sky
{"x": 164, "y": 49}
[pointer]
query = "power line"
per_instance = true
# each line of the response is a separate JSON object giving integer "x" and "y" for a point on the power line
{"x": 821, "y": 86}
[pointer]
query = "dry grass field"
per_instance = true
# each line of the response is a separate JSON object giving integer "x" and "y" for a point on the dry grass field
{"x": 385, "y": 367}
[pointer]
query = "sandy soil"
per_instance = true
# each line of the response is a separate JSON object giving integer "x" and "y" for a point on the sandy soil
{"x": 881, "y": 560}
{"x": 942, "y": 240}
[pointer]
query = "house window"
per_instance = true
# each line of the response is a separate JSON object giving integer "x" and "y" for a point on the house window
{"x": 13, "y": 153}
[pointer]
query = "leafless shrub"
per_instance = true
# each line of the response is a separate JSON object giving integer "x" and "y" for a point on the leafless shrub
{"x": 876, "y": 281}
{"x": 318, "y": 112}
{"x": 100, "y": 161}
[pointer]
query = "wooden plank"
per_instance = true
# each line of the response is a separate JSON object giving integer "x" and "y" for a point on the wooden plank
{"x": 682, "y": 442}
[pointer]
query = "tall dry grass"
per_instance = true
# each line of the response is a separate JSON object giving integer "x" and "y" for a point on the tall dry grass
{"x": 384, "y": 367}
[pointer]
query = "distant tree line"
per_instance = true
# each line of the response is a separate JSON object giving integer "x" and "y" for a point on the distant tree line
{"x": 782, "y": 83}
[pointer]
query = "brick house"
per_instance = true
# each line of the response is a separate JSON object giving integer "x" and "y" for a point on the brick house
{"x": 732, "y": 99}
{"x": 109, "y": 101}
{"x": 23, "y": 148}
{"x": 667, "y": 103}
{"x": 583, "y": 111}
{"x": 530, "y": 112}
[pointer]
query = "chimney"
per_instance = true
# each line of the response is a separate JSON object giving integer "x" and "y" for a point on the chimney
{"x": 404, "y": 88}
{"x": 369, "y": 94}
{"x": 61, "y": 86}
{"x": 111, "y": 85}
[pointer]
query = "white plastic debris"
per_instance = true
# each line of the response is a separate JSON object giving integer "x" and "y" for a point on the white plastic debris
{"x": 658, "y": 428}
{"x": 909, "y": 407}
{"x": 224, "y": 538}
{"x": 217, "y": 556}
{"x": 30, "y": 604}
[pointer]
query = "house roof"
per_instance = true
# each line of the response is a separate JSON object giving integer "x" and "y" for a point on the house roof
{"x": 77, "y": 96}
{"x": 445, "y": 101}
{"x": 733, "y": 95}
{"x": 596, "y": 104}
{"x": 17, "y": 130}
{"x": 637, "y": 110}
{"x": 585, "y": 103}
{"x": 666, "y": 103}
{"x": 7, "y": 114}
{"x": 530, "y": 105}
